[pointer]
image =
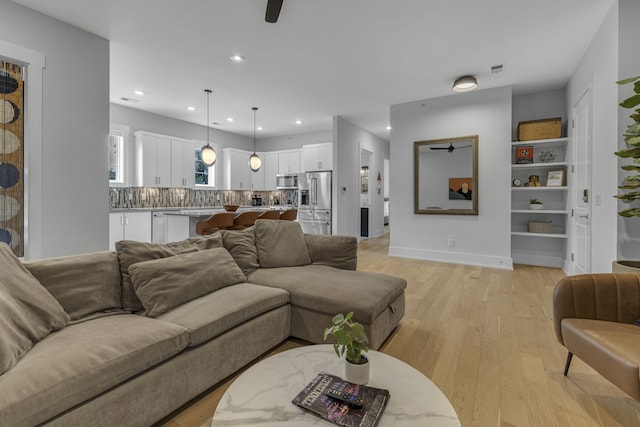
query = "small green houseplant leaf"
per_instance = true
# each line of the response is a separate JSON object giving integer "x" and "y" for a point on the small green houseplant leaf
{"x": 535, "y": 202}
{"x": 350, "y": 338}
{"x": 632, "y": 139}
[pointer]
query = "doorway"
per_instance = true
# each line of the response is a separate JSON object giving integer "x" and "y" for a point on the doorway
{"x": 365, "y": 193}
{"x": 581, "y": 200}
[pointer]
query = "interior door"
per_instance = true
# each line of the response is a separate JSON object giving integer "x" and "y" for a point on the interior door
{"x": 581, "y": 200}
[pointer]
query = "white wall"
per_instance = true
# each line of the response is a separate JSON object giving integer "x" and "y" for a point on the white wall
{"x": 539, "y": 105}
{"x": 598, "y": 69}
{"x": 348, "y": 139}
{"x": 629, "y": 63}
{"x": 289, "y": 142}
{"x": 480, "y": 240}
{"x": 142, "y": 120}
{"x": 71, "y": 190}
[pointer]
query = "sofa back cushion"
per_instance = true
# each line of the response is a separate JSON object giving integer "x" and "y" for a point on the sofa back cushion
{"x": 82, "y": 284}
{"x": 28, "y": 313}
{"x": 130, "y": 252}
{"x": 162, "y": 284}
{"x": 241, "y": 244}
{"x": 281, "y": 244}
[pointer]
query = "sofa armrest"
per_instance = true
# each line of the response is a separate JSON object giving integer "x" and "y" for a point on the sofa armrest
{"x": 335, "y": 251}
{"x": 613, "y": 297}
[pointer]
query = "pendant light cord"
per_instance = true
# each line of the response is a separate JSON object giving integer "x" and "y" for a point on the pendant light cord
{"x": 254, "y": 128}
{"x": 208, "y": 91}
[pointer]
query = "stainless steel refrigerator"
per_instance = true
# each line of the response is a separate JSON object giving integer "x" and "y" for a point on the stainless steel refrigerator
{"x": 314, "y": 209}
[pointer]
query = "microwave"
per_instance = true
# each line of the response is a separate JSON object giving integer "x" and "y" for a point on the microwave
{"x": 286, "y": 181}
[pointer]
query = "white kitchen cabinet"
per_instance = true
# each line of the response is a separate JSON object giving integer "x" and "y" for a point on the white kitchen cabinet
{"x": 258, "y": 178}
{"x": 289, "y": 161}
{"x": 183, "y": 170}
{"x": 237, "y": 175}
{"x": 270, "y": 166}
{"x": 153, "y": 160}
{"x": 317, "y": 157}
{"x": 128, "y": 225}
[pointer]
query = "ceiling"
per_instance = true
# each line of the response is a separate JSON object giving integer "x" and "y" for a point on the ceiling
{"x": 352, "y": 58}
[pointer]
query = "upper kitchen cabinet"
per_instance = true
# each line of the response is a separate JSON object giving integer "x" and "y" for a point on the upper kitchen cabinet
{"x": 289, "y": 161}
{"x": 270, "y": 167}
{"x": 317, "y": 157}
{"x": 183, "y": 154}
{"x": 237, "y": 175}
{"x": 153, "y": 160}
{"x": 258, "y": 178}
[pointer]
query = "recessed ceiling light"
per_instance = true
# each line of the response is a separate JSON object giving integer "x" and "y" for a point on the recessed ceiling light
{"x": 259, "y": 128}
{"x": 190, "y": 108}
{"x": 138, "y": 92}
{"x": 298, "y": 122}
{"x": 388, "y": 127}
{"x": 230, "y": 119}
{"x": 237, "y": 58}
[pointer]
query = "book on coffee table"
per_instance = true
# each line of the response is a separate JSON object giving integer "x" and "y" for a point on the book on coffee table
{"x": 314, "y": 399}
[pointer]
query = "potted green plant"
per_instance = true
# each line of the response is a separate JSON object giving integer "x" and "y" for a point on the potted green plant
{"x": 350, "y": 342}
{"x": 631, "y": 183}
{"x": 535, "y": 204}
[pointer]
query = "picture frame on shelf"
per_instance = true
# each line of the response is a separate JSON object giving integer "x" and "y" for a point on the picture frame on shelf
{"x": 524, "y": 154}
{"x": 555, "y": 178}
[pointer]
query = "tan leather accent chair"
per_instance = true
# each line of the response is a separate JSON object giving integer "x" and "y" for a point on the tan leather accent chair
{"x": 270, "y": 215}
{"x": 245, "y": 220}
{"x": 594, "y": 317}
{"x": 219, "y": 221}
{"x": 289, "y": 215}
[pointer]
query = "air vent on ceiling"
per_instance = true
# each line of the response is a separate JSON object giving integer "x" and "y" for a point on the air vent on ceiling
{"x": 125, "y": 99}
{"x": 497, "y": 69}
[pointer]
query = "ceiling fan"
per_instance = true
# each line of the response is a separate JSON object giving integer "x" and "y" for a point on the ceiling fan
{"x": 273, "y": 11}
{"x": 450, "y": 148}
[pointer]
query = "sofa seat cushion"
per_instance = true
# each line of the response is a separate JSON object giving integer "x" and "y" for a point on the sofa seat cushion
{"x": 83, "y": 360}
{"x": 330, "y": 290}
{"x": 611, "y": 348}
{"x": 215, "y": 313}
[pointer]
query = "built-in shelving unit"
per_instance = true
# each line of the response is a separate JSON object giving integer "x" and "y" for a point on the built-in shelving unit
{"x": 534, "y": 248}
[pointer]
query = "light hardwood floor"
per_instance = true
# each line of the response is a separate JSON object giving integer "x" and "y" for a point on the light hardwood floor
{"x": 485, "y": 338}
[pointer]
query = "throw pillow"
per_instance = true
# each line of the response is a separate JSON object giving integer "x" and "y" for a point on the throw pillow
{"x": 166, "y": 283}
{"x": 241, "y": 244}
{"x": 130, "y": 252}
{"x": 28, "y": 313}
{"x": 335, "y": 251}
{"x": 281, "y": 244}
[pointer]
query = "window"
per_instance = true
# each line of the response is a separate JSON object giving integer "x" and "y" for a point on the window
{"x": 116, "y": 154}
{"x": 205, "y": 176}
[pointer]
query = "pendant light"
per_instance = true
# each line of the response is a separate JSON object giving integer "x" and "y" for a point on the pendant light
{"x": 207, "y": 153}
{"x": 254, "y": 160}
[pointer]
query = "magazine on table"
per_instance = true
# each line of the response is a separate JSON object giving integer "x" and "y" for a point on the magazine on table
{"x": 314, "y": 398}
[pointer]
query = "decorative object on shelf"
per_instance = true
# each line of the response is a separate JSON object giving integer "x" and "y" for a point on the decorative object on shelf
{"x": 546, "y": 156}
{"x": 540, "y": 226}
{"x": 535, "y": 205}
{"x": 351, "y": 342}
{"x": 254, "y": 160}
{"x": 516, "y": 182}
{"x": 540, "y": 129}
{"x": 207, "y": 153}
{"x": 534, "y": 181}
{"x": 555, "y": 178}
{"x": 465, "y": 84}
{"x": 632, "y": 139}
{"x": 461, "y": 188}
{"x": 524, "y": 154}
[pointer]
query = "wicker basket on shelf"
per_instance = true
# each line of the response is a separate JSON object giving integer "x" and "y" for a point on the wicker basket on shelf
{"x": 539, "y": 226}
{"x": 540, "y": 129}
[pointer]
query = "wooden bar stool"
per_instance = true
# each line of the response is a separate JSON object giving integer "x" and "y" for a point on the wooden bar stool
{"x": 245, "y": 220}
{"x": 289, "y": 215}
{"x": 219, "y": 221}
{"x": 270, "y": 215}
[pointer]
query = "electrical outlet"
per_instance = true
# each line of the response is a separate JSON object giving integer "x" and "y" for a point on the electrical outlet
{"x": 452, "y": 243}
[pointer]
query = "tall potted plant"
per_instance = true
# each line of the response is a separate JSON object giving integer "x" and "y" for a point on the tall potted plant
{"x": 631, "y": 183}
{"x": 350, "y": 342}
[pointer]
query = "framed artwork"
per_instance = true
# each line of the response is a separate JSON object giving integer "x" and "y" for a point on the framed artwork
{"x": 555, "y": 178}
{"x": 461, "y": 188}
{"x": 524, "y": 154}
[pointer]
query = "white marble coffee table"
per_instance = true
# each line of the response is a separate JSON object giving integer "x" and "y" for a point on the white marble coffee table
{"x": 262, "y": 395}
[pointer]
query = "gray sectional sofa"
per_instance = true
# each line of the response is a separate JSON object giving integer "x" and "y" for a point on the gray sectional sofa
{"x": 125, "y": 338}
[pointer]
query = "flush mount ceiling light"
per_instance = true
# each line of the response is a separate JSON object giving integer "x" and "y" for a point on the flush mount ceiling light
{"x": 465, "y": 84}
{"x": 254, "y": 160}
{"x": 207, "y": 153}
{"x": 237, "y": 58}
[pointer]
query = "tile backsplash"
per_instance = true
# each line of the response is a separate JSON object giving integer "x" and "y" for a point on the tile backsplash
{"x": 147, "y": 197}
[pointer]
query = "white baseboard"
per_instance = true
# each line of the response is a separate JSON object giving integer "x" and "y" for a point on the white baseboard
{"x": 504, "y": 263}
